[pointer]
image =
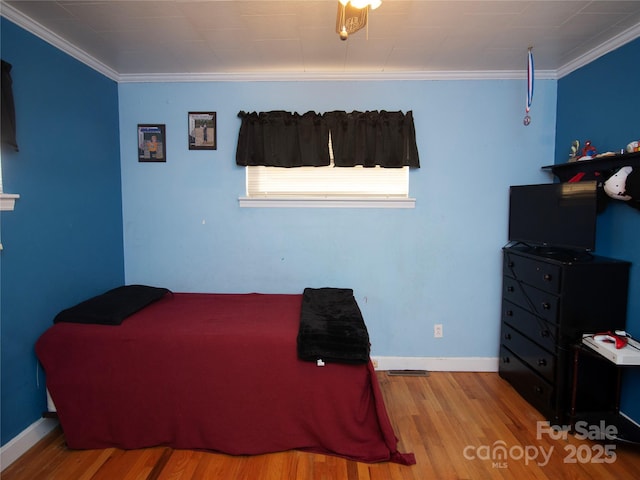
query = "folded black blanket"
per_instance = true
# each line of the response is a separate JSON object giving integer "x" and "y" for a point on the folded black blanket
{"x": 332, "y": 327}
{"x": 112, "y": 307}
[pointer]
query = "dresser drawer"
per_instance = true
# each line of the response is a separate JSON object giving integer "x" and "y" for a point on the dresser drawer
{"x": 531, "y": 386}
{"x": 542, "y": 275}
{"x": 539, "y": 359}
{"x": 541, "y": 332}
{"x": 538, "y": 302}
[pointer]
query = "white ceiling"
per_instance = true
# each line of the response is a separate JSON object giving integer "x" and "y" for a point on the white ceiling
{"x": 159, "y": 38}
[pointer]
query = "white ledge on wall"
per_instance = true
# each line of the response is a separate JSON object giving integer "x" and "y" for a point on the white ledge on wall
{"x": 326, "y": 202}
{"x": 8, "y": 201}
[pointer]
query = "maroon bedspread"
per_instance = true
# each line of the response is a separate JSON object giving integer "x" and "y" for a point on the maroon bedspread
{"x": 216, "y": 372}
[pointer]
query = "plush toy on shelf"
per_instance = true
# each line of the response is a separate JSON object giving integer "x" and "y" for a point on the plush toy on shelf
{"x": 574, "y": 151}
{"x": 588, "y": 151}
{"x": 625, "y": 185}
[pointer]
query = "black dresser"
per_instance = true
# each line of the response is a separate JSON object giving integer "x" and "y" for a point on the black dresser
{"x": 549, "y": 298}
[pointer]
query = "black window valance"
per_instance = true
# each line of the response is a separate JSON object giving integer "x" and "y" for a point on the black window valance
{"x": 285, "y": 139}
{"x": 282, "y": 139}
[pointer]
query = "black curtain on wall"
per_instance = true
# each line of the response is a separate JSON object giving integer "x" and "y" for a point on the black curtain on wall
{"x": 373, "y": 138}
{"x": 284, "y": 139}
{"x": 8, "y": 119}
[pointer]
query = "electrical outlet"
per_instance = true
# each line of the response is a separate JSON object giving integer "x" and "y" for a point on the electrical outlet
{"x": 437, "y": 330}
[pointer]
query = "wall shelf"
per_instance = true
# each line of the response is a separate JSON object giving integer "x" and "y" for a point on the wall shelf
{"x": 604, "y": 166}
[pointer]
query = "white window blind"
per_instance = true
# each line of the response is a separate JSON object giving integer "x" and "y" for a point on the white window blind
{"x": 344, "y": 185}
{"x": 330, "y": 181}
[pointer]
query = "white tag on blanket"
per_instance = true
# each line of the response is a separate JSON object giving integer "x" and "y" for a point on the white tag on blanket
{"x": 319, "y": 362}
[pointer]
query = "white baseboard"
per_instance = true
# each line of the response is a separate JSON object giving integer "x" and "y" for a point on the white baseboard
{"x": 630, "y": 419}
{"x": 437, "y": 364}
{"x": 26, "y": 439}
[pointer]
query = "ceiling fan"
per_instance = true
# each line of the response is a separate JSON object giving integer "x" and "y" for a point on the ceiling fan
{"x": 353, "y": 15}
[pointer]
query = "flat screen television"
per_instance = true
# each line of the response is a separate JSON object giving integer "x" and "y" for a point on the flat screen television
{"x": 554, "y": 215}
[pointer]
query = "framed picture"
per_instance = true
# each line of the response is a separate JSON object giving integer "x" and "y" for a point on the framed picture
{"x": 151, "y": 143}
{"x": 202, "y": 130}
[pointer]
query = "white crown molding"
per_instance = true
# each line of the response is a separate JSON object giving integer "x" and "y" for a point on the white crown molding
{"x": 54, "y": 39}
{"x": 610, "y": 45}
{"x": 326, "y": 76}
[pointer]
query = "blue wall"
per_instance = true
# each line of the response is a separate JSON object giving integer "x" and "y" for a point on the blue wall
{"x": 600, "y": 102}
{"x": 410, "y": 269}
{"x": 63, "y": 241}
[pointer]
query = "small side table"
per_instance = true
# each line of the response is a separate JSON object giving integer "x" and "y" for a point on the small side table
{"x": 628, "y": 431}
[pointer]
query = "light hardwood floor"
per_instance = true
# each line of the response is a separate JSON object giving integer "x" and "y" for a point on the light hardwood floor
{"x": 453, "y": 422}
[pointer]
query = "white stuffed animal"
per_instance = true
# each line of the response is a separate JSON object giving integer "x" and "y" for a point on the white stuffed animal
{"x": 615, "y": 187}
{"x": 625, "y": 185}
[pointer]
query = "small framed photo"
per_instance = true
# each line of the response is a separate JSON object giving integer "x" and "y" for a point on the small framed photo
{"x": 151, "y": 143}
{"x": 202, "y": 130}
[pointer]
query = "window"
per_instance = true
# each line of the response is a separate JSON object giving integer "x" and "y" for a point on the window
{"x": 7, "y": 130}
{"x": 7, "y": 200}
{"x": 327, "y": 186}
{"x": 289, "y": 158}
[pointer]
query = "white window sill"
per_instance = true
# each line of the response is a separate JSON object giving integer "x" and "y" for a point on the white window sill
{"x": 8, "y": 201}
{"x": 326, "y": 202}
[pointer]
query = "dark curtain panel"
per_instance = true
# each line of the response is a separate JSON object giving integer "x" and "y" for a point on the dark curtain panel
{"x": 313, "y": 135}
{"x": 282, "y": 139}
{"x": 8, "y": 119}
{"x": 373, "y": 138}
{"x": 250, "y": 149}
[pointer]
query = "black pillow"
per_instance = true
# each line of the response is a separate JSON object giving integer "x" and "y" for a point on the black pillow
{"x": 112, "y": 307}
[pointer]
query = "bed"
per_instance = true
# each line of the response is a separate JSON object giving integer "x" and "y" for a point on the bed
{"x": 217, "y": 372}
